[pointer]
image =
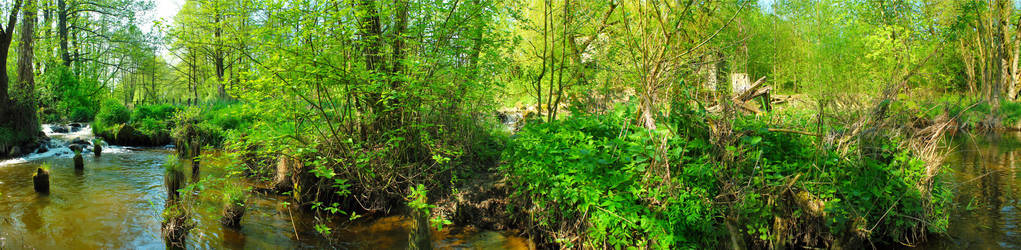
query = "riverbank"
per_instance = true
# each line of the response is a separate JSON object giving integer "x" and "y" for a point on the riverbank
{"x": 702, "y": 185}
{"x": 117, "y": 199}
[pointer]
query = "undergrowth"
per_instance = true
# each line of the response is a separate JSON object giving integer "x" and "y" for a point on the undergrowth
{"x": 597, "y": 181}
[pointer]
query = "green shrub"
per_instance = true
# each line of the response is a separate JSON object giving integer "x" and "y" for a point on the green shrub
{"x": 82, "y": 114}
{"x": 111, "y": 114}
{"x": 1011, "y": 112}
{"x": 66, "y": 96}
{"x": 227, "y": 116}
{"x": 154, "y": 119}
{"x": 874, "y": 197}
{"x": 157, "y": 112}
{"x": 593, "y": 170}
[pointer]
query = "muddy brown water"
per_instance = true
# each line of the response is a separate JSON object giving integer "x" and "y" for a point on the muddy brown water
{"x": 116, "y": 203}
{"x": 985, "y": 173}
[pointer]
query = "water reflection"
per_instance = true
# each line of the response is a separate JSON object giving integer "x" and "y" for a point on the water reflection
{"x": 116, "y": 202}
{"x": 985, "y": 177}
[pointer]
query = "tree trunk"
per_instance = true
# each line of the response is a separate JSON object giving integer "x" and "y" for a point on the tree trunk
{"x": 26, "y": 79}
{"x": 1003, "y": 54}
{"x": 218, "y": 61}
{"x": 1014, "y": 60}
{"x": 5, "y": 45}
{"x": 65, "y": 56}
{"x": 969, "y": 66}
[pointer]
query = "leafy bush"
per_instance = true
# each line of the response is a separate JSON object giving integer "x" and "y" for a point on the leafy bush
{"x": 590, "y": 170}
{"x": 66, "y": 96}
{"x": 227, "y": 116}
{"x": 153, "y": 119}
{"x": 875, "y": 197}
{"x": 158, "y": 112}
{"x": 111, "y": 114}
{"x": 82, "y": 114}
{"x": 1011, "y": 113}
{"x": 596, "y": 173}
{"x": 218, "y": 120}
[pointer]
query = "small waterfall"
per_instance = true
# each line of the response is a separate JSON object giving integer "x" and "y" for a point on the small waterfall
{"x": 61, "y": 137}
{"x": 509, "y": 118}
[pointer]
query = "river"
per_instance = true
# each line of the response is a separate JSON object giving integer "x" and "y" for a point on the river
{"x": 116, "y": 203}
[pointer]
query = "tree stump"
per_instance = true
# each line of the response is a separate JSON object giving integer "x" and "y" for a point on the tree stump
{"x": 282, "y": 180}
{"x": 41, "y": 180}
{"x": 79, "y": 162}
{"x": 173, "y": 180}
{"x": 232, "y": 214}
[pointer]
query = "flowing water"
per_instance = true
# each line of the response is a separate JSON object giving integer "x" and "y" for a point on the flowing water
{"x": 116, "y": 203}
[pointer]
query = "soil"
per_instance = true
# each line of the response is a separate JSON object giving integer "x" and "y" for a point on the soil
{"x": 481, "y": 203}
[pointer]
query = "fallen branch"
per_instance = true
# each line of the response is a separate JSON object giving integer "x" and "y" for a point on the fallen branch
{"x": 792, "y": 131}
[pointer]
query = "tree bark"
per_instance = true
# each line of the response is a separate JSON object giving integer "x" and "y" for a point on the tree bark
{"x": 218, "y": 54}
{"x": 26, "y": 75}
{"x": 5, "y": 45}
{"x": 65, "y": 56}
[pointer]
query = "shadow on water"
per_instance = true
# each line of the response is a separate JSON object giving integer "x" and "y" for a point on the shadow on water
{"x": 117, "y": 200}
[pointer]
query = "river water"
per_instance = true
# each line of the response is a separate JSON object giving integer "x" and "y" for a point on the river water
{"x": 116, "y": 203}
{"x": 985, "y": 175}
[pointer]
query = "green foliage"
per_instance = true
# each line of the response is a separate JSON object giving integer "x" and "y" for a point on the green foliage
{"x": 173, "y": 164}
{"x": 418, "y": 201}
{"x": 596, "y": 170}
{"x": 153, "y": 119}
{"x": 592, "y": 169}
{"x": 65, "y": 96}
{"x": 877, "y": 196}
{"x": 10, "y": 138}
{"x": 966, "y": 111}
{"x": 112, "y": 113}
{"x": 234, "y": 193}
{"x": 45, "y": 166}
{"x": 219, "y": 120}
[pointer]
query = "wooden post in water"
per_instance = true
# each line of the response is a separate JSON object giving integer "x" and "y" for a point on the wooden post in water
{"x": 41, "y": 181}
{"x": 79, "y": 162}
{"x": 97, "y": 147}
{"x": 173, "y": 181}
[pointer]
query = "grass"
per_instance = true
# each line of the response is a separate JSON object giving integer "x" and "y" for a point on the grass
{"x": 234, "y": 203}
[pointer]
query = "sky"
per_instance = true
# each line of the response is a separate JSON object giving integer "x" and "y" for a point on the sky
{"x": 163, "y": 10}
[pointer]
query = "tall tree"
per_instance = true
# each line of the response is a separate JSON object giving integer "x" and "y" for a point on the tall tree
{"x": 62, "y": 13}
{"x": 6, "y": 33}
{"x": 26, "y": 76}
